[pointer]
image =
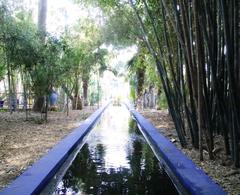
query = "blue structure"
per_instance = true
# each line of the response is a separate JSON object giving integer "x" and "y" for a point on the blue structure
{"x": 1, "y": 103}
{"x": 187, "y": 177}
{"x": 34, "y": 179}
{"x": 53, "y": 98}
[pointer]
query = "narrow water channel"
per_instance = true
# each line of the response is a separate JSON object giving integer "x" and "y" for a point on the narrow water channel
{"x": 115, "y": 159}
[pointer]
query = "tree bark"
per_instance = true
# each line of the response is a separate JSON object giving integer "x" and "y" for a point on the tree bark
{"x": 76, "y": 101}
{"x": 42, "y": 17}
{"x": 85, "y": 91}
{"x": 38, "y": 104}
{"x": 140, "y": 81}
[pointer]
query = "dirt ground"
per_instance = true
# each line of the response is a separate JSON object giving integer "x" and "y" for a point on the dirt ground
{"x": 23, "y": 142}
{"x": 221, "y": 170}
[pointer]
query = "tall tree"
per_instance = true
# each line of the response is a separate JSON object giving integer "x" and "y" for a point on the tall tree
{"x": 42, "y": 18}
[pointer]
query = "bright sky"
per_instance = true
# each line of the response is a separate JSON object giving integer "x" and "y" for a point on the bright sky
{"x": 66, "y": 13}
{"x": 60, "y": 13}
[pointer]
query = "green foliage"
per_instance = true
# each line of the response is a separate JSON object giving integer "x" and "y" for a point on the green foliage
{"x": 22, "y": 49}
{"x": 120, "y": 30}
{"x": 162, "y": 102}
{"x": 82, "y": 56}
{"x": 19, "y": 39}
{"x": 24, "y": 45}
{"x": 96, "y": 94}
{"x": 106, "y": 5}
{"x": 94, "y": 98}
{"x": 132, "y": 93}
{"x": 2, "y": 65}
{"x": 47, "y": 73}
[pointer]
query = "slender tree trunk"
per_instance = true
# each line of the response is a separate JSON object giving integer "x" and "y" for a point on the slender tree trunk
{"x": 67, "y": 106}
{"x": 42, "y": 18}
{"x": 9, "y": 87}
{"x": 25, "y": 105}
{"x": 46, "y": 108}
{"x": 38, "y": 104}
{"x": 140, "y": 82}
{"x": 76, "y": 101}
{"x": 85, "y": 91}
{"x": 202, "y": 110}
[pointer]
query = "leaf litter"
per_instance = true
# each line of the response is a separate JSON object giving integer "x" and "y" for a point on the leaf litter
{"x": 24, "y": 142}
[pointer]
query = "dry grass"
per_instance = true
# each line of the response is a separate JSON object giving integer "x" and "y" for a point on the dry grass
{"x": 23, "y": 142}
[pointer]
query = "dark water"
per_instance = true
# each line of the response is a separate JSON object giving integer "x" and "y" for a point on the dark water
{"x": 116, "y": 160}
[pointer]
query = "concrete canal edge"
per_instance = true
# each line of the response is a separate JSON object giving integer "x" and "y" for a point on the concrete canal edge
{"x": 35, "y": 178}
{"x": 186, "y": 176}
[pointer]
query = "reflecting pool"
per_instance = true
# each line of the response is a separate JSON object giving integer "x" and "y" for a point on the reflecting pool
{"x": 115, "y": 159}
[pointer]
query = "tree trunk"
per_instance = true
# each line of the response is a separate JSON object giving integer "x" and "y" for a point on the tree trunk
{"x": 67, "y": 105}
{"x": 140, "y": 81}
{"x": 85, "y": 91}
{"x": 151, "y": 97}
{"x": 77, "y": 103}
{"x": 42, "y": 17}
{"x": 38, "y": 104}
{"x": 46, "y": 108}
{"x": 9, "y": 88}
{"x": 25, "y": 104}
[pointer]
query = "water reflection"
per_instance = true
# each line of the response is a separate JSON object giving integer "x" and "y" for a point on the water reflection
{"x": 115, "y": 160}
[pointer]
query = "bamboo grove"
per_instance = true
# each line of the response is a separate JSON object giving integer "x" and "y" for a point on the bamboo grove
{"x": 195, "y": 45}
